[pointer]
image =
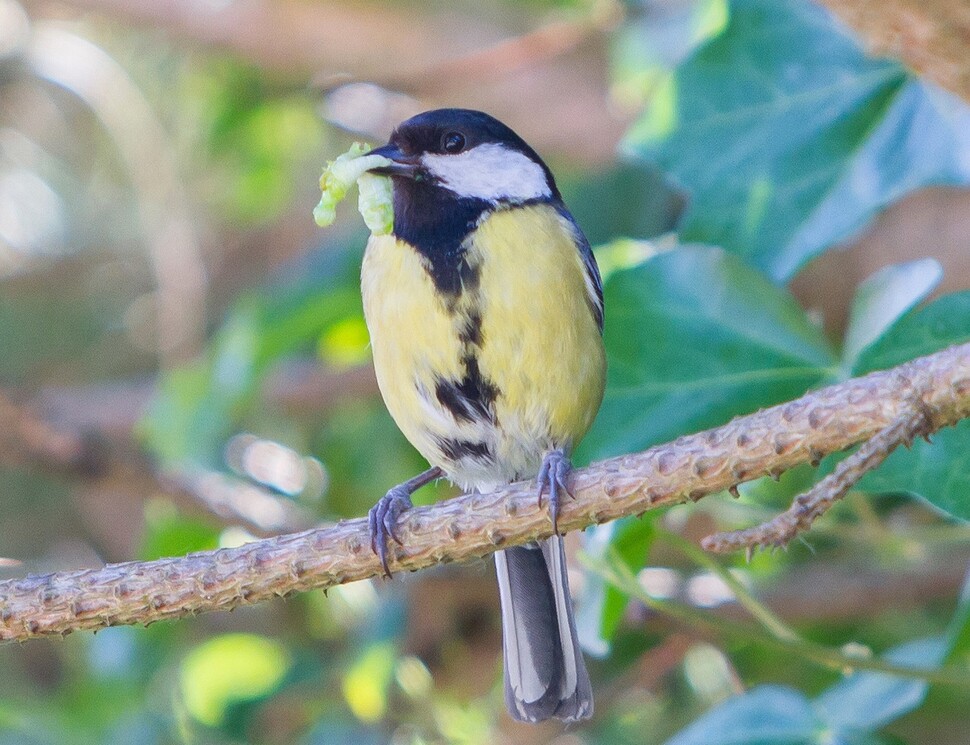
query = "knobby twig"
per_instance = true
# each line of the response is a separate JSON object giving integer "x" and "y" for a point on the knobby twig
{"x": 913, "y": 421}
{"x": 474, "y": 525}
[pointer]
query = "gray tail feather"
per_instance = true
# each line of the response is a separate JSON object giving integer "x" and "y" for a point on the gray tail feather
{"x": 545, "y": 675}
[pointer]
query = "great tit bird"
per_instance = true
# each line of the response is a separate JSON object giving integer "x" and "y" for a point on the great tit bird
{"x": 485, "y": 312}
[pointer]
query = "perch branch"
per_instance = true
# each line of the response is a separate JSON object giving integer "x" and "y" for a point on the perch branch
{"x": 475, "y": 525}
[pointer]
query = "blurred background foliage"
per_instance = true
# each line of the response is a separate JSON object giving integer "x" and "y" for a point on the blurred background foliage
{"x": 773, "y": 210}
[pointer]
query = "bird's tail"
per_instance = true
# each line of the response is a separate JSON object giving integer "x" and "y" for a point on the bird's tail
{"x": 545, "y": 675}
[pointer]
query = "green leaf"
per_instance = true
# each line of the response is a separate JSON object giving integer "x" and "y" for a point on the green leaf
{"x": 881, "y": 299}
{"x": 168, "y": 533}
{"x": 937, "y": 471}
{"x": 255, "y": 138}
{"x": 789, "y": 139}
{"x": 366, "y": 682}
{"x": 766, "y": 715}
{"x": 602, "y": 605}
{"x": 868, "y": 701}
{"x": 694, "y": 337}
{"x": 942, "y": 323}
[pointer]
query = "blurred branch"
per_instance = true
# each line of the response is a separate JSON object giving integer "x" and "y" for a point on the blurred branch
{"x": 438, "y": 56}
{"x": 474, "y": 525}
{"x": 86, "y": 433}
{"x": 508, "y": 56}
{"x": 87, "y": 71}
{"x": 28, "y": 440}
{"x": 112, "y": 409}
{"x": 930, "y": 36}
{"x": 86, "y": 454}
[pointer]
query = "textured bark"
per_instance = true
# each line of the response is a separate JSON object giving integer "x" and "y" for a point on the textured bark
{"x": 475, "y": 525}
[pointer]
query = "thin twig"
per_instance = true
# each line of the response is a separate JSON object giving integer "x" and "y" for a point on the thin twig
{"x": 475, "y": 525}
{"x": 912, "y": 422}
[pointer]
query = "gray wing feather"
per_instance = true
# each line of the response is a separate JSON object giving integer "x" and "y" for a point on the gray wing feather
{"x": 594, "y": 282}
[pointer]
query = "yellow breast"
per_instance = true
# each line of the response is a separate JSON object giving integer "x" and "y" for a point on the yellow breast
{"x": 525, "y": 324}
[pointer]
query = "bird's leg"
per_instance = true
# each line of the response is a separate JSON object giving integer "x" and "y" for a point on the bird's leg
{"x": 383, "y": 516}
{"x": 553, "y": 473}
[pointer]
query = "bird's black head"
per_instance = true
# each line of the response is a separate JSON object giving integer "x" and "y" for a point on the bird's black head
{"x": 468, "y": 154}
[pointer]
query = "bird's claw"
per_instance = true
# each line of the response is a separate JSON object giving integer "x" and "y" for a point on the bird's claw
{"x": 382, "y": 522}
{"x": 553, "y": 474}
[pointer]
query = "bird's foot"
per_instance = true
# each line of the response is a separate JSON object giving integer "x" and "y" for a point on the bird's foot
{"x": 383, "y": 516}
{"x": 382, "y": 521}
{"x": 553, "y": 474}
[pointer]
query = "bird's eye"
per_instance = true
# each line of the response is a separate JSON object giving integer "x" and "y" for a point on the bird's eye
{"x": 453, "y": 142}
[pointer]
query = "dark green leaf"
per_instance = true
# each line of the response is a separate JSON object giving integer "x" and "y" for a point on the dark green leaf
{"x": 694, "y": 337}
{"x": 958, "y": 632}
{"x": 630, "y": 200}
{"x": 764, "y": 715}
{"x": 939, "y": 472}
{"x": 940, "y": 324}
{"x": 789, "y": 139}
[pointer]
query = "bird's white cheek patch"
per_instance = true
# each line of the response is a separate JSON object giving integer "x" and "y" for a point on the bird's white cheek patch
{"x": 490, "y": 172}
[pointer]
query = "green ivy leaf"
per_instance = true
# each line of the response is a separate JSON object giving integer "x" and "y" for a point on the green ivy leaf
{"x": 937, "y": 471}
{"x": 789, "y": 139}
{"x": 766, "y": 715}
{"x": 641, "y": 204}
{"x": 958, "y": 631}
{"x": 942, "y": 323}
{"x": 868, "y": 701}
{"x": 882, "y": 299}
{"x": 694, "y": 337}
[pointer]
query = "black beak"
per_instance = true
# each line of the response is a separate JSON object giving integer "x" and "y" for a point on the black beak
{"x": 401, "y": 165}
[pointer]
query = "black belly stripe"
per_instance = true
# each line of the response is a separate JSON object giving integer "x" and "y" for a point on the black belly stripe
{"x": 470, "y": 399}
{"x": 471, "y": 329}
{"x": 457, "y": 449}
